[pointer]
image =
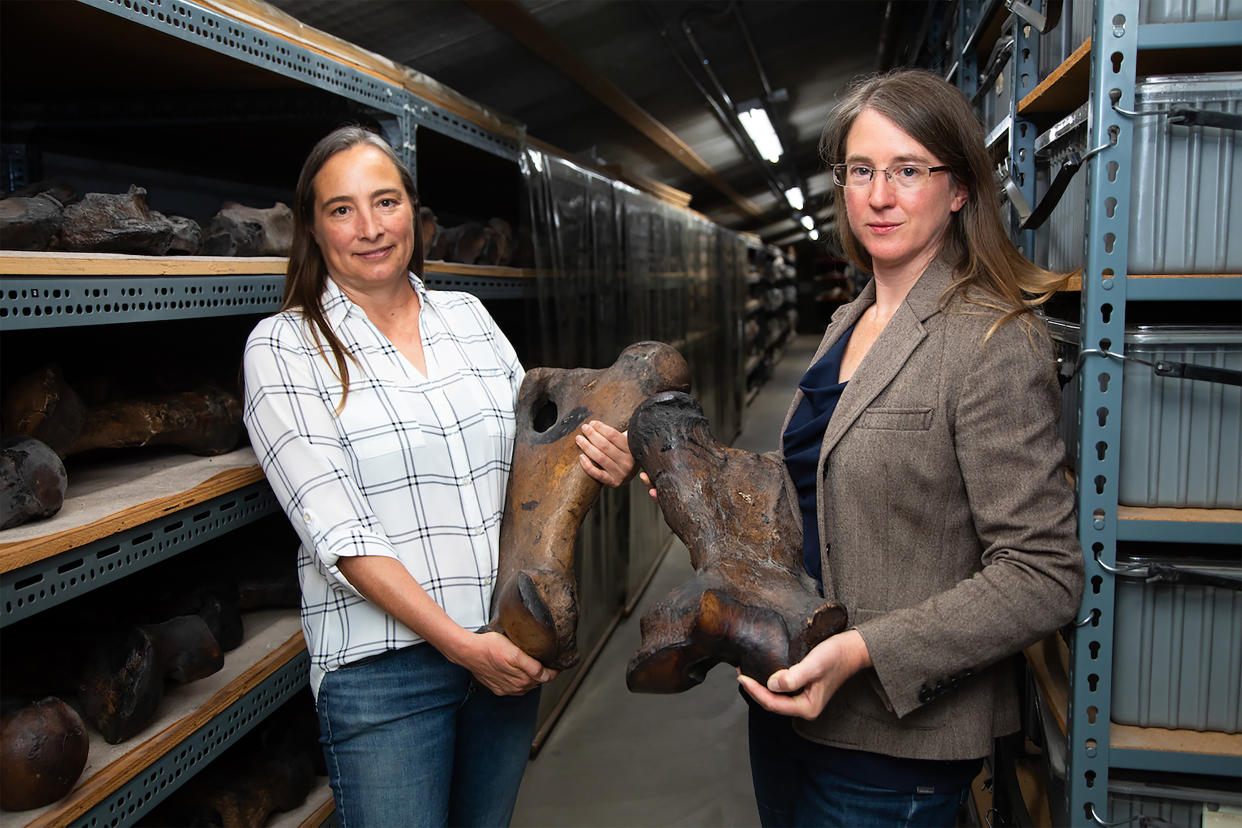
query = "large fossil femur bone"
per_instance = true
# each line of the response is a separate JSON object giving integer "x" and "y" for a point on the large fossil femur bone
{"x": 536, "y": 603}
{"x": 750, "y": 603}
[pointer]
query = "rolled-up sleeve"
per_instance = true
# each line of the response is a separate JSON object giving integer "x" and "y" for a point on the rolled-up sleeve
{"x": 291, "y": 421}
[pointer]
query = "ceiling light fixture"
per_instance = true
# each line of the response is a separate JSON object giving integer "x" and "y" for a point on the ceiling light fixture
{"x": 759, "y": 128}
{"x": 808, "y": 222}
{"x": 794, "y": 196}
{"x": 813, "y": 235}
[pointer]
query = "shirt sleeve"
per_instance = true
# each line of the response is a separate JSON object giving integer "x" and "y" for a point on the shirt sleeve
{"x": 291, "y": 423}
{"x": 1012, "y": 465}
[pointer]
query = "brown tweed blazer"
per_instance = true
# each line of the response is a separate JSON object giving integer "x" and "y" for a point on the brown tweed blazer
{"x": 949, "y": 520}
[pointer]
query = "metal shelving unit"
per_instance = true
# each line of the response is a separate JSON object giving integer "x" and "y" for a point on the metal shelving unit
{"x": 1117, "y": 39}
{"x": 45, "y": 291}
{"x": 1114, "y": 54}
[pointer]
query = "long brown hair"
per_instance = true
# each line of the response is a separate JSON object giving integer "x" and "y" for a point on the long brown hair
{"x": 307, "y": 273}
{"x": 989, "y": 271}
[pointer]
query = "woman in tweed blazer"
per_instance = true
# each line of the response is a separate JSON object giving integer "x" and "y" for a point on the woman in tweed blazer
{"x": 924, "y": 448}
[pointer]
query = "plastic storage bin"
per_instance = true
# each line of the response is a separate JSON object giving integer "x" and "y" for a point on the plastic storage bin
{"x": 1186, "y": 182}
{"x": 1131, "y": 794}
{"x": 1074, "y": 27}
{"x": 1177, "y": 649}
{"x": 1181, "y": 439}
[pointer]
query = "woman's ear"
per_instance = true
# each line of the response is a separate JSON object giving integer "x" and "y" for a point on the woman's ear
{"x": 960, "y": 196}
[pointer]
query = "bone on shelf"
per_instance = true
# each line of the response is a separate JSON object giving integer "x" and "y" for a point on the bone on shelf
{"x": 273, "y": 638}
{"x": 108, "y": 497}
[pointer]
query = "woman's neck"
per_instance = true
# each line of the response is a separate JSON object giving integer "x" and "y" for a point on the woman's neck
{"x": 384, "y": 304}
{"x": 892, "y": 285}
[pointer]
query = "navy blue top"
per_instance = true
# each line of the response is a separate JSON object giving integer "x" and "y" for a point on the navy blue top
{"x": 805, "y": 436}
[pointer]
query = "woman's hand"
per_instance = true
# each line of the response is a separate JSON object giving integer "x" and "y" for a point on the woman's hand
{"x": 651, "y": 490}
{"x": 500, "y": 666}
{"x": 814, "y": 679}
{"x": 605, "y": 454}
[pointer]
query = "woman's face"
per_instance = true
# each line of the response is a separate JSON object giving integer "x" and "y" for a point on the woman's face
{"x": 363, "y": 218}
{"x": 902, "y": 228}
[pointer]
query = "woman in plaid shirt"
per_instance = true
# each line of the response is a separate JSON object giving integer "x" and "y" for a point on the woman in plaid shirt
{"x": 383, "y": 418}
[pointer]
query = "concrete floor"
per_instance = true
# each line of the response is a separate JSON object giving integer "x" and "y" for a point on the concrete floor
{"x": 617, "y": 758}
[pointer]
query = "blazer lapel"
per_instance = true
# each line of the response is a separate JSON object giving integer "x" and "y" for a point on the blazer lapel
{"x": 888, "y": 354}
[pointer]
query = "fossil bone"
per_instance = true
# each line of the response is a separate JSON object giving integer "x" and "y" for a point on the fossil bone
{"x": 43, "y": 749}
{"x": 750, "y": 603}
{"x": 535, "y": 603}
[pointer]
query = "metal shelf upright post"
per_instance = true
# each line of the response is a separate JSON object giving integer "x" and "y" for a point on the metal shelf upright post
{"x": 1113, "y": 57}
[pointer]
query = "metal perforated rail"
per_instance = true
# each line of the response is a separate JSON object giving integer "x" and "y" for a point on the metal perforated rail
{"x": 31, "y": 589}
{"x": 31, "y": 302}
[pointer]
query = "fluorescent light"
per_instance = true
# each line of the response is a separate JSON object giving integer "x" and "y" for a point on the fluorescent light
{"x": 808, "y": 222}
{"x": 759, "y": 128}
{"x": 794, "y": 196}
{"x": 813, "y": 235}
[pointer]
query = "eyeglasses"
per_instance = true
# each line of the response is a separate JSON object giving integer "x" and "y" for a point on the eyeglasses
{"x": 906, "y": 176}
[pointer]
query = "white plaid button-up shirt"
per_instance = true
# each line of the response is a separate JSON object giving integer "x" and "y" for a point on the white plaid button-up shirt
{"x": 413, "y": 468}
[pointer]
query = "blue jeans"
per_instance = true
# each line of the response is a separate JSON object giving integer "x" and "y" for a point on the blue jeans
{"x": 411, "y": 740}
{"x": 792, "y": 788}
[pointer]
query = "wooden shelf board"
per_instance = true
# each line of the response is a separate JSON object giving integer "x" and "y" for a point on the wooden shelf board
{"x": 1179, "y": 515}
{"x": 54, "y": 263}
{"x": 109, "y": 497}
{"x": 1065, "y": 88}
{"x": 273, "y": 637}
{"x": 312, "y": 813}
{"x": 1075, "y": 281}
{"x": 453, "y": 268}
{"x": 1049, "y": 659}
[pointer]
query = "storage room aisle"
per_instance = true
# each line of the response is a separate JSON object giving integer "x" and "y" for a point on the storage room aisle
{"x": 618, "y": 758}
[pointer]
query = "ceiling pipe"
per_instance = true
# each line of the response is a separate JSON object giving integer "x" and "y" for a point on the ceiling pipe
{"x": 730, "y": 109}
{"x": 728, "y": 112}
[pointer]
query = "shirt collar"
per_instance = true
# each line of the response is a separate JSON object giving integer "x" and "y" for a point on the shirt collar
{"x": 337, "y": 306}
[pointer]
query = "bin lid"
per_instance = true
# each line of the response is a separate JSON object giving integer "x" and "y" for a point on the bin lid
{"x": 1202, "y": 335}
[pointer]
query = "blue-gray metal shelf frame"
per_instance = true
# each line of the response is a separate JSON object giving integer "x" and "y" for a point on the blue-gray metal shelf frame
{"x": 1113, "y": 56}
{"x": 1117, "y": 38}
{"x": 141, "y": 794}
{"x": 36, "y": 302}
{"x": 30, "y": 589}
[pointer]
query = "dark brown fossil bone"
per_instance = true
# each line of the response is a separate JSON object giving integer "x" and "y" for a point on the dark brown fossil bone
{"x": 271, "y": 769}
{"x": 463, "y": 243}
{"x": 750, "y": 603}
{"x": 43, "y": 749}
{"x": 30, "y": 223}
{"x": 32, "y": 481}
{"x": 122, "y": 681}
{"x": 238, "y": 230}
{"x": 428, "y": 228}
{"x": 205, "y": 421}
{"x": 116, "y": 223}
{"x": 535, "y": 603}
{"x": 187, "y": 239}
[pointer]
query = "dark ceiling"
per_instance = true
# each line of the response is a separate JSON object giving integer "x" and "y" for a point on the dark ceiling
{"x": 535, "y": 60}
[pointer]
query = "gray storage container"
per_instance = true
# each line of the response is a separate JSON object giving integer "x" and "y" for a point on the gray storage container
{"x": 1074, "y": 26}
{"x": 1130, "y": 794}
{"x": 1177, "y": 649}
{"x": 1181, "y": 439}
{"x": 1185, "y": 190}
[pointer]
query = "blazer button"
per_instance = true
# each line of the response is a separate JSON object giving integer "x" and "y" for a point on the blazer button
{"x": 925, "y": 694}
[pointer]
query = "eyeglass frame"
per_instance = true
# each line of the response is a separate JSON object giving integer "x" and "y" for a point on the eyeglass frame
{"x": 888, "y": 175}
